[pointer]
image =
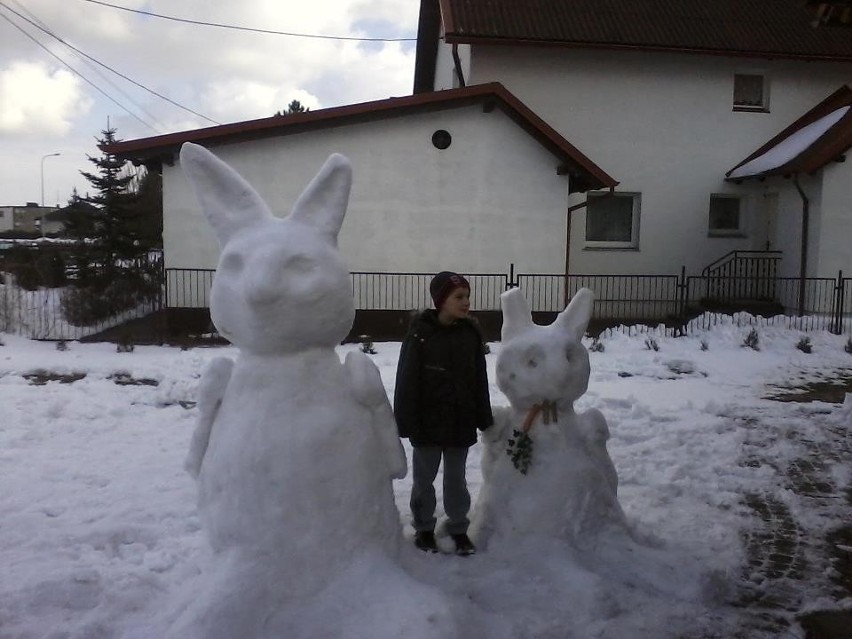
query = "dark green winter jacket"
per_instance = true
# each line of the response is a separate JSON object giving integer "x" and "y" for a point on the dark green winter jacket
{"x": 441, "y": 396}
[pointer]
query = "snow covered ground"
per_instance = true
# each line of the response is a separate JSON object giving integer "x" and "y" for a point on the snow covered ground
{"x": 738, "y": 495}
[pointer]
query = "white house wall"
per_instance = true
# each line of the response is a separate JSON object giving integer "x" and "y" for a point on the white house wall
{"x": 834, "y": 234}
{"x": 790, "y": 224}
{"x": 491, "y": 199}
{"x": 663, "y": 125}
{"x": 445, "y": 76}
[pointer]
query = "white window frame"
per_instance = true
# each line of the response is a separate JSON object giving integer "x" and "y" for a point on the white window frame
{"x": 763, "y": 107}
{"x": 633, "y": 243}
{"x": 717, "y": 232}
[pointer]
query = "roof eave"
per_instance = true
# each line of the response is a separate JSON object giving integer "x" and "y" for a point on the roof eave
{"x": 292, "y": 124}
{"x": 586, "y": 174}
{"x": 825, "y": 149}
{"x": 457, "y": 38}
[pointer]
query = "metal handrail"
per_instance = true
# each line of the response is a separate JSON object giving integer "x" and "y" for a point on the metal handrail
{"x": 739, "y": 254}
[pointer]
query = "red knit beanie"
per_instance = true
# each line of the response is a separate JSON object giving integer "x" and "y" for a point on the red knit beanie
{"x": 445, "y": 283}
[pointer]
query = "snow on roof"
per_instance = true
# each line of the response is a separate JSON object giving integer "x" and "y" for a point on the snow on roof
{"x": 790, "y": 147}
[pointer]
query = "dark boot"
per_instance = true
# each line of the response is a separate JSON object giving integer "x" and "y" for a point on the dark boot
{"x": 464, "y": 546}
{"x": 425, "y": 541}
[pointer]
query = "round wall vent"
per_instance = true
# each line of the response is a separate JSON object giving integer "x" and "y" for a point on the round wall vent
{"x": 441, "y": 139}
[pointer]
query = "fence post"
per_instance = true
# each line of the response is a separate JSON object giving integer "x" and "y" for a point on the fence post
{"x": 683, "y": 293}
{"x": 510, "y": 283}
{"x": 839, "y": 301}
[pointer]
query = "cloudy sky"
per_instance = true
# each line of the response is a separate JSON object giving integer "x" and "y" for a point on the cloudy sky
{"x": 54, "y": 99}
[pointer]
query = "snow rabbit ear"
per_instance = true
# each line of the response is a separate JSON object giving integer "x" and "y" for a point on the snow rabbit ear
{"x": 229, "y": 202}
{"x": 516, "y": 314}
{"x": 323, "y": 202}
{"x": 575, "y": 318}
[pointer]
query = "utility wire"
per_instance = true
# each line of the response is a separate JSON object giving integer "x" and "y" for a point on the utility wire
{"x": 239, "y": 28}
{"x": 94, "y": 68}
{"x": 159, "y": 95}
{"x": 72, "y": 69}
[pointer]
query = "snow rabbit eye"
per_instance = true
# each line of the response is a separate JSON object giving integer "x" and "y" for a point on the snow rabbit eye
{"x": 534, "y": 355}
{"x": 300, "y": 264}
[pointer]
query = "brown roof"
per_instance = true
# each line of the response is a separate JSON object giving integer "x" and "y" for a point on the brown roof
{"x": 828, "y": 147}
{"x": 831, "y": 12}
{"x": 585, "y": 174}
{"x": 752, "y": 28}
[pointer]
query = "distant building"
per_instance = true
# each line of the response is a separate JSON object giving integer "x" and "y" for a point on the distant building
{"x": 6, "y": 218}
{"x": 53, "y": 223}
{"x": 30, "y": 218}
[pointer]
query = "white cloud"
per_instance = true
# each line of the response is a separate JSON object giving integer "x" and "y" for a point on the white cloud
{"x": 237, "y": 100}
{"x": 34, "y": 98}
{"x": 226, "y": 75}
{"x": 392, "y": 11}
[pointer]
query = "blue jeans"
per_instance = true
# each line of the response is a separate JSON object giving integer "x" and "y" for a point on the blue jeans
{"x": 425, "y": 461}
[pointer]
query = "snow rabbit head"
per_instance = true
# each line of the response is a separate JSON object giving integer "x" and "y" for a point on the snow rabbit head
{"x": 540, "y": 364}
{"x": 281, "y": 284}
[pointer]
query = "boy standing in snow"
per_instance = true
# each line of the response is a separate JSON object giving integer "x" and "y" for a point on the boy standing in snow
{"x": 441, "y": 399}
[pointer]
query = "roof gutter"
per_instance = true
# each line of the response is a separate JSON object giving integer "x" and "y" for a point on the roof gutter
{"x": 570, "y": 210}
{"x": 648, "y": 48}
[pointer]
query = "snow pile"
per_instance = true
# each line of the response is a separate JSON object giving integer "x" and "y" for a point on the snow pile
{"x": 844, "y": 415}
{"x": 557, "y": 504}
{"x": 546, "y": 468}
{"x": 100, "y": 530}
{"x": 294, "y": 452}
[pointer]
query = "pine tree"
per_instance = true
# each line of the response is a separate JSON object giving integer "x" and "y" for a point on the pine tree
{"x": 294, "y": 107}
{"x": 79, "y": 224}
{"x": 148, "y": 221}
{"x": 117, "y": 228}
{"x": 78, "y": 220}
{"x": 115, "y": 210}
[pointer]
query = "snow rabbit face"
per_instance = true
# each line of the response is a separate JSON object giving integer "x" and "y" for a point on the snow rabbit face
{"x": 543, "y": 363}
{"x": 281, "y": 284}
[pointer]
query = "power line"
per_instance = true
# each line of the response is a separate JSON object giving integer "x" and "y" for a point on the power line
{"x": 91, "y": 66}
{"x": 142, "y": 86}
{"x": 72, "y": 69}
{"x": 253, "y": 30}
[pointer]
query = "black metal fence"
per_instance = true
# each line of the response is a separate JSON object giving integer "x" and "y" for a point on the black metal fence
{"x": 844, "y": 307}
{"x": 407, "y": 291}
{"x": 677, "y": 301}
{"x": 41, "y": 296}
{"x": 673, "y": 300}
{"x": 627, "y": 297}
{"x": 187, "y": 287}
{"x": 820, "y": 299}
{"x": 39, "y": 314}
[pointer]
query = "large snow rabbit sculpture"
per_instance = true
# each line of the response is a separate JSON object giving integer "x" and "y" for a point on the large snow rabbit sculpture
{"x": 546, "y": 470}
{"x": 294, "y": 452}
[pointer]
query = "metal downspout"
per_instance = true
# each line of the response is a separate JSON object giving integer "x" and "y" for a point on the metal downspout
{"x": 458, "y": 66}
{"x": 570, "y": 210}
{"x": 803, "y": 261}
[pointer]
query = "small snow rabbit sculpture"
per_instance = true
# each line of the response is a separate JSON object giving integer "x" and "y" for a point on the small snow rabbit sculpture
{"x": 546, "y": 470}
{"x": 294, "y": 451}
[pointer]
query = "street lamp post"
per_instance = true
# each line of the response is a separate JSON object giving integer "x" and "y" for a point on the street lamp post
{"x": 43, "y": 158}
